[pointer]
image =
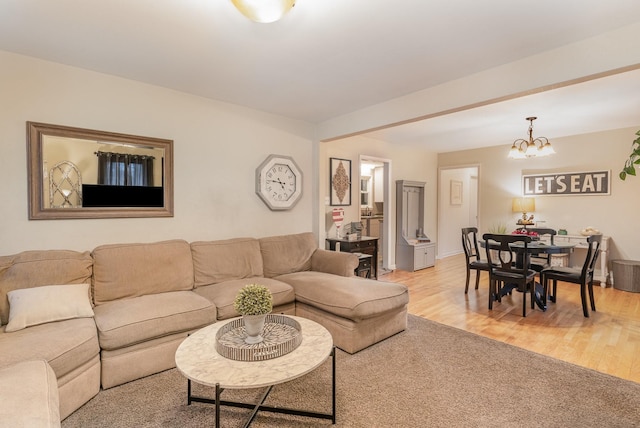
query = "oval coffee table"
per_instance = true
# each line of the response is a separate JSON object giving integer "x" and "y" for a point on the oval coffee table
{"x": 199, "y": 361}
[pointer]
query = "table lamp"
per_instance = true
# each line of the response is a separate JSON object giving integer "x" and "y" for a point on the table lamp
{"x": 524, "y": 206}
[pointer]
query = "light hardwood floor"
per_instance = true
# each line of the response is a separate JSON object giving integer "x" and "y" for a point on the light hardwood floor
{"x": 608, "y": 341}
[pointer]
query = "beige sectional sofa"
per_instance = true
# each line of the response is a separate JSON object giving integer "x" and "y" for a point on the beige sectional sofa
{"x": 146, "y": 298}
{"x": 70, "y": 346}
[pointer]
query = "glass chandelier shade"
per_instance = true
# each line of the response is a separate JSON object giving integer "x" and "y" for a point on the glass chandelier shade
{"x": 264, "y": 11}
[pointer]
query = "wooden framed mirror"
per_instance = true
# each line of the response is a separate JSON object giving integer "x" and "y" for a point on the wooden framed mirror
{"x": 82, "y": 173}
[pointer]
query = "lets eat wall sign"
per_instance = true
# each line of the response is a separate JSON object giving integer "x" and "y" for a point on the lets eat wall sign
{"x": 569, "y": 183}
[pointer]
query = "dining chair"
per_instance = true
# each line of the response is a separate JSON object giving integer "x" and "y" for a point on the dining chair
{"x": 504, "y": 273}
{"x": 542, "y": 260}
{"x": 583, "y": 277}
{"x": 472, "y": 255}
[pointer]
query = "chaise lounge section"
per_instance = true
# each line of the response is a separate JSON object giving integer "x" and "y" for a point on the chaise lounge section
{"x": 358, "y": 312}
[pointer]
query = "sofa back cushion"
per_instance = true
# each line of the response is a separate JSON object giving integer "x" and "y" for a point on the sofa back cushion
{"x": 38, "y": 268}
{"x": 132, "y": 270}
{"x": 287, "y": 253}
{"x": 226, "y": 260}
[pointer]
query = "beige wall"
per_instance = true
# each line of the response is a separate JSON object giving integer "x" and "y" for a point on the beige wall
{"x": 614, "y": 214}
{"x": 451, "y": 218}
{"x": 407, "y": 163}
{"x": 217, "y": 147}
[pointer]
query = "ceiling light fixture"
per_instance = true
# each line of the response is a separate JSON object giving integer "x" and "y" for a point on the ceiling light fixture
{"x": 264, "y": 11}
{"x": 525, "y": 149}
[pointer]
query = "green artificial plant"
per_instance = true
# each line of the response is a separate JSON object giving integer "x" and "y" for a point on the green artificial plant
{"x": 253, "y": 299}
{"x": 498, "y": 227}
{"x": 634, "y": 159}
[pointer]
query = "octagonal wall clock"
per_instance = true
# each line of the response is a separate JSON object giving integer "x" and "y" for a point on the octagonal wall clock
{"x": 279, "y": 182}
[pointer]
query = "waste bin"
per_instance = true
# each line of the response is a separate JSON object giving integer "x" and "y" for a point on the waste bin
{"x": 626, "y": 275}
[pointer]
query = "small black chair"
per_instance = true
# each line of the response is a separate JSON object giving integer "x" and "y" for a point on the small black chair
{"x": 472, "y": 255}
{"x": 542, "y": 260}
{"x": 504, "y": 273}
{"x": 583, "y": 277}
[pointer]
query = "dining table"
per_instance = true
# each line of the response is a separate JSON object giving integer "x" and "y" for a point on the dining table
{"x": 533, "y": 248}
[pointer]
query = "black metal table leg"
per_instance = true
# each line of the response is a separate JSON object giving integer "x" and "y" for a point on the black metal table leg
{"x": 218, "y": 405}
{"x": 333, "y": 386}
{"x": 256, "y": 407}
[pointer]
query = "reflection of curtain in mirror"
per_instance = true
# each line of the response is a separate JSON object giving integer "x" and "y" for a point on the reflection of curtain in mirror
{"x": 122, "y": 169}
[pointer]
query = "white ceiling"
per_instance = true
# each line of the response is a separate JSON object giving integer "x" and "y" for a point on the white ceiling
{"x": 327, "y": 58}
{"x": 607, "y": 103}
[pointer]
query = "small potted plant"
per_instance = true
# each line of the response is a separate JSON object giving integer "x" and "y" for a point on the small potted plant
{"x": 253, "y": 302}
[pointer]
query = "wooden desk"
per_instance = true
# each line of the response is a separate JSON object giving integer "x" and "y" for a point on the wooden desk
{"x": 364, "y": 265}
{"x": 364, "y": 245}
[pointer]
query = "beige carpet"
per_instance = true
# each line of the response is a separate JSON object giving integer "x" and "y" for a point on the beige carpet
{"x": 430, "y": 375}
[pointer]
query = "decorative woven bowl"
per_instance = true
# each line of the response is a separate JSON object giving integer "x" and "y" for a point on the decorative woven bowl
{"x": 589, "y": 232}
{"x": 281, "y": 334}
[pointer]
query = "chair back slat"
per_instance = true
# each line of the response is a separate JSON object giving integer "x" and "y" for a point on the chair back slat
{"x": 592, "y": 256}
{"x": 541, "y": 231}
{"x": 506, "y": 260}
{"x": 470, "y": 243}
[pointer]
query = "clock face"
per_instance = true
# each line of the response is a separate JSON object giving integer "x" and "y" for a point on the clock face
{"x": 279, "y": 182}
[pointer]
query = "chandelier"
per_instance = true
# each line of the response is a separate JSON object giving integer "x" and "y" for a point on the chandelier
{"x": 264, "y": 11}
{"x": 522, "y": 148}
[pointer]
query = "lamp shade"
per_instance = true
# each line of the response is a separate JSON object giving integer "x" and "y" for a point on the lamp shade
{"x": 264, "y": 11}
{"x": 523, "y": 205}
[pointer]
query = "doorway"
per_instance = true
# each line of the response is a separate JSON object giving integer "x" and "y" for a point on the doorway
{"x": 374, "y": 205}
{"x": 458, "y": 210}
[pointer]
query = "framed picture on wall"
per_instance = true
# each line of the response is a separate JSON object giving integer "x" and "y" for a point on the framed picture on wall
{"x": 340, "y": 182}
{"x": 456, "y": 192}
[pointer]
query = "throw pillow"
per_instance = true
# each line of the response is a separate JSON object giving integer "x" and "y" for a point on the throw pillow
{"x": 39, "y": 305}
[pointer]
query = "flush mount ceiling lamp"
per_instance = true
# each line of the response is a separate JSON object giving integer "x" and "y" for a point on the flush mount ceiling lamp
{"x": 264, "y": 11}
{"x": 527, "y": 148}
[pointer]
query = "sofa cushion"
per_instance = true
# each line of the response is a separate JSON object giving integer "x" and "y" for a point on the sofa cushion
{"x": 132, "y": 270}
{"x": 354, "y": 298}
{"x": 125, "y": 322}
{"x": 39, "y": 305}
{"x": 30, "y": 395}
{"x": 224, "y": 293}
{"x": 287, "y": 253}
{"x": 37, "y": 268}
{"x": 219, "y": 261}
{"x": 66, "y": 345}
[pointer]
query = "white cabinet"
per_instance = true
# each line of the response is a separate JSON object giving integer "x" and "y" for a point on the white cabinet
{"x": 378, "y": 184}
{"x": 413, "y": 250}
{"x": 365, "y": 192}
{"x": 424, "y": 255}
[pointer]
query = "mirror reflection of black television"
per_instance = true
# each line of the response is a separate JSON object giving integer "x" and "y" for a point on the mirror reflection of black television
{"x": 104, "y": 196}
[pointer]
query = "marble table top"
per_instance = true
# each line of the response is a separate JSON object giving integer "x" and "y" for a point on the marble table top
{"x": 198, "y": 360}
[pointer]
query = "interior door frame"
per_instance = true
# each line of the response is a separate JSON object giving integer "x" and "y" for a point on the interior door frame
{"x": 445, "y": 210}
{"x": 388, "y": 245}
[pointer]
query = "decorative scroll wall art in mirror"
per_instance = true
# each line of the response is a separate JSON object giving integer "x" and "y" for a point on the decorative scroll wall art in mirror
{"x": 82, "y": 173}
